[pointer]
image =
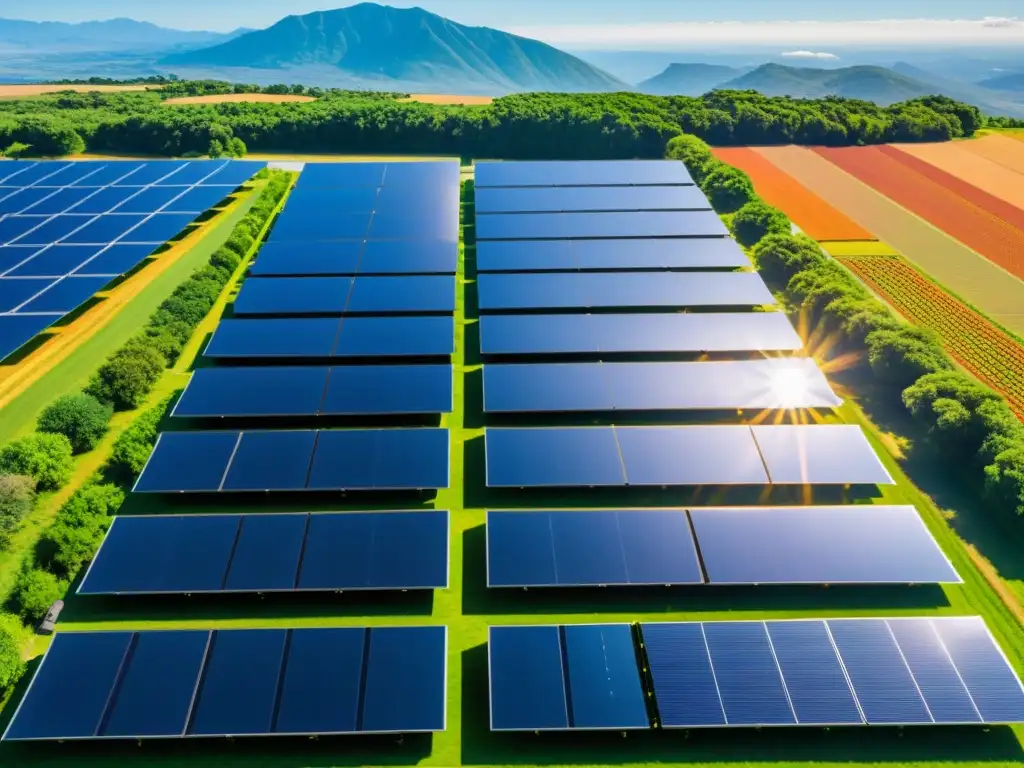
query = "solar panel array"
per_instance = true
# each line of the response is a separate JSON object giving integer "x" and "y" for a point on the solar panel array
{"x": 906, "y": 671}
{"x": 246, "y": 682}
{"x": 751, "y": 545}
{"x": 67, "y": 229}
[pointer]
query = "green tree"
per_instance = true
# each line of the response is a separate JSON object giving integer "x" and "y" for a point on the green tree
{"x": 756, "y": 219}
{"x": 17, "y": 497}
{"x": 727, "y": 188}
{"x": 35, "y": 591}
{"x": 81, "y": 418}
{"x": 128, "y": 376}
{"x": 43, "y": 457}
{"x": 13, "y": 639}
{"x": 16, "y": 150}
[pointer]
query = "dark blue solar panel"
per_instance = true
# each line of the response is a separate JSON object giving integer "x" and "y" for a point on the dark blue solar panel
{"x": 691, "y": 455}
{"x": 537, "y": 334}
{"x": 187, "y": 461}
{"x": 16, "y": 228}
{"x": 235, "y": 173}
{"x": 108, "y": 173}
{"x": 15, "y": 330}
{"x": 553, "y": 457}
{"x": 267, "y": 552}
{"x": 55, "y": 261}
{"x": 388, "y": 389}
{"x": 747, "y": 674}
{"x": 197, "y": 200}
{"x": 106, "y": 229}
{"x": 56, "y": 228}
{"x": 16, "y": 201}
{"x": 150, "y": 200}
{"x": 620, "y": 254}
{"x": 937, "y": 678}
{"x": 320, "y": 692}
{"x": 271, "y": 461}
{"x": 13, "y": 255}
{"x": 406, "y": 672}
{"x": 520, "y": 550}
{"x": 152, "y": 172}
{"x": 104, "y": 200}
{"x": 540, "y": 173}
{"x": 156, "y": 692}
{"x": 70, "y": 692}
{"x": 268, "y": 391}
{"x": 431, "y": 175}
{"x": 294, "y": 296}
{"x": 419, "y": 203}
{"x": 116, "y": 259}
{"x": 298, "y": 226}
{"x": 395, "y": 337}
{"x": 66, "y": 295}
{"x": 413, "y": 293}
{"x": 821, "y": 453}
{"x": 657, "y": 546}
{"x": 994, "y": 686}
{"x": 341, "y": 175}
{"x": 558, "y": 199}
{"x": 386, "y": 459}
{"x": 548, "y": 387}
{"x": 159, "y": 228}
{"x": 239, "y": 683}
{"x": 60, "y": 201}
{"x": 819, "y": 545}
{"x": 604, "y": 678}
{"x": 195, "y": 172}
{"x": 525, "y": 256}
{"x": 339, "y": 200}
{"x": 16, "y": 291}
{"x": 282, "y": 258}
{"x": 588, "y": 549}
{"x": 403, "y": 225}
{"x": 685, "y": 688}
{"x": 554, "y": 226}
{"x": 46, "y": 173}
{"x": 878, "y": 672}
{"x": 527, "y": 683}
{"x": 71, "y": 173}
{"x": 292, "y": 337}
{"x": 815, "y": 680}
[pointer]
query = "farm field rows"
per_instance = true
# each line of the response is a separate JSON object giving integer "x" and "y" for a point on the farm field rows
{"x": 1002, "y": 150}
{"x": 960, "y": 162}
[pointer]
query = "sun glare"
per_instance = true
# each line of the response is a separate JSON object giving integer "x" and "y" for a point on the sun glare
{"x": 790, "y": 386}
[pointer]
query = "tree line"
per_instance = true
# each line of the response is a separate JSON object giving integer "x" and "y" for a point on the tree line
{"x": 533, "y": 125}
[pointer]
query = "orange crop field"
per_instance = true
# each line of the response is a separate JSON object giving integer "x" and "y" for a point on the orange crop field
{"x": 236, "y": 98}
{"x": 448, "y": 98}
{"x": 999, "y": 149}
{"x": 1011, "y": 214}
{"x": 983, "y": 348}
{"x": 1001, "y": 243}
{"x": 954, "y": 158}
{"x": 21, "y": 91}
{"x": 808, "y": 211}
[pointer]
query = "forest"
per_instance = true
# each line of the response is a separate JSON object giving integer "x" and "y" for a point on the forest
{"x": 523, "y": 126}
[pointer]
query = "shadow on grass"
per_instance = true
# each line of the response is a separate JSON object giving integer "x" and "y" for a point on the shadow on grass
{"x": 478, "y": 599}
{"x": 480, "y": 746}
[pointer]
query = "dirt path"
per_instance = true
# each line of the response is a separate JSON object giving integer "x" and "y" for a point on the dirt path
{"x": 953, "y": 158}
{"x": 968, "y": 274}
{"x": 1002, "y": 150}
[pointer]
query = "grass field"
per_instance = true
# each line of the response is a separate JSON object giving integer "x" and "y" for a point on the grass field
{"x": 448, "y": 98}
{"x": 241, "y": 98}
{"x": 468, "y": 608}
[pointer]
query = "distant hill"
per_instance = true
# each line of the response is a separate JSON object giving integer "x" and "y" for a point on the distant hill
{"x": 689, "y": 79}
{"x": 877, "y": 84}
{"x": 1011, "y": 81}
{"x": 382, "y": 44}
{"x": 115, "y": 34}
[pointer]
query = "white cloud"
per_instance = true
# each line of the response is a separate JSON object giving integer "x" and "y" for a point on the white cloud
{"x": 798, "y": 34}
{"x": 818, "y": 55}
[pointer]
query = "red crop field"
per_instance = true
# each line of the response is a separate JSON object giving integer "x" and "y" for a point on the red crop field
{"x": 980, "y": 346}
{"x": 993, "y": 238}
{"x": 812, "y": 214}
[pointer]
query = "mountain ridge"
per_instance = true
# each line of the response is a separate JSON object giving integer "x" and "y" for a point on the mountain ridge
{"x": 117, "y": 33}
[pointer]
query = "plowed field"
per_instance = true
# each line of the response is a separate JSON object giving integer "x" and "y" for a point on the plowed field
{"x": 953, "y": 158}
{"x": 1003, "y": 150}
{"x": 812, "y": 214}
{"x": 983, "y": 348}
{"x": 987, "y": 234}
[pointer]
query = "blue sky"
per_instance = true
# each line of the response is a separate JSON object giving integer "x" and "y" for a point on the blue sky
{"x": 555, "y": 20}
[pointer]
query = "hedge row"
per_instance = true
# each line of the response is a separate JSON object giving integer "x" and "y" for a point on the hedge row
{"x": 969, "y": 426}
{"x": 127, "y": 377}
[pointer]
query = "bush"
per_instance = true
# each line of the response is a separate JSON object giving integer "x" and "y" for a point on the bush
{"x": 34, "y": 593}
{"x": 13, "y": 638}
{"x": 133, "y": 446}
{"x": 225, "y": 259}
{"x": 780, "y": 257}
{"x": 693, "y": 152}
{"x": 65, "y": 548}
{"x": 240, "y": 243}
{"x": 755, "y": 220}
{"x": 17, "y": 497}
{"x": 81, "y": 418}
{"x": 128, "y": 376}
{"x": 728, "y": 188}
{"x": 899, "y": 357}
{"x": 1004, "y": 480}
{"x": 43, "y": 457}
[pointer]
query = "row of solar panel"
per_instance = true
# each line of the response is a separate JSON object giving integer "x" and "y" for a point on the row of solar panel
{"x": 511, "y": 292}
{"x": 555, "y": 226}
{"x": 48, "y": 201}
{"x": 768, "y": 383}
{"x": 351, "y": 337}
{"x": 601, "y": 334}
{"x": 178, "y": 173}
{"x": 581, "y": 173}
{"x": 248, "y": 682}
{"x": 421, "y": 198}
{"x": 619, "y": 254}
{"x": 296, "y": 225}
{"x": 72, "y": 260}
{"x": 355, "y": 257}
{"x": 742, "y": 545}
{"x": 426, "y": 175}
{"x": 905, "y": 671}
{"x": 47, "y": 295}
{"x": 297, "y": 460}
{"x": 271, "y": 553}
{"x": 317, "y": 391}
{"x": 832, "y": 454}
{"x": 71, "y": 229}
{"x": 347, "y": 295}
{"x": 589, "y": 199}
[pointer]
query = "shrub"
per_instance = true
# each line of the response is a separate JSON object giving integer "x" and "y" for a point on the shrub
{"x": 34, "y": 593}
{"x": 780, "y": 257}
{"x": 1004, "y": 480}
{"x": 128, "y": 376}
{"x": 754, "y": 220}
{"x": 728, "y": 188}
{"x": 899, "y": 357}
{"x": 693, "y": 152}
{"x": 65, "y": 548}
{"x": 225, "y": 259}
{"x": 133, "y": 446}
{"x": 43, "y": 457}
{"x": 17, "y": 497}
{"x": 240, "y": 243}
{"x": 81, "y": 418}
{"x": 13, "y": 638}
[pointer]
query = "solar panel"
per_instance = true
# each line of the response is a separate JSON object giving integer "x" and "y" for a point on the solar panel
{"x": 297, "y": 225}
{"x": 327, "y": 175}
{"x": 263, "y": 552}
{"x": 413, "y": 293}
{"x": 341, "y": 295}
{"x": 580, "y": 173}
{"x": 53, "y": 261}
{"x": 293, "y": 460}
{"x": 692, "y": 455}
{"x": 405, "y": 687}
{"x": 819, "y": 545}
{"x": 620, "y": 254}
{"x": 769, "y": 383}
{"x": 512, "y": 292}
{"x": 159, "y": 228}
{"x": 65, "y": 295}
{"x": 396, "y": 337}
{"x": 353, "y": 257}
{"x": 650, "y": 333}
{"x": 820, "y": 454}
{"x": 590, "y": 548}
{"x": 17, "y": 330}
{"x": 632, "y": 224}
{"x": 393, "y": 257}
{"x": 406, "y": 224}
{"x": 553, "y": 457}
{"x": 115, "y": 259}
{"x": 562, "y": 199}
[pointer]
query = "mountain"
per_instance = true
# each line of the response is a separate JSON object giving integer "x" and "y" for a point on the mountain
{"x": 390, "y": 45}
{"x": 115, "y": 34}
{"x": 689, "y": 79}
{"x": 986, "y": 99}
{"x": 877, "y": 84}
{"x": 1010, "y": 81}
